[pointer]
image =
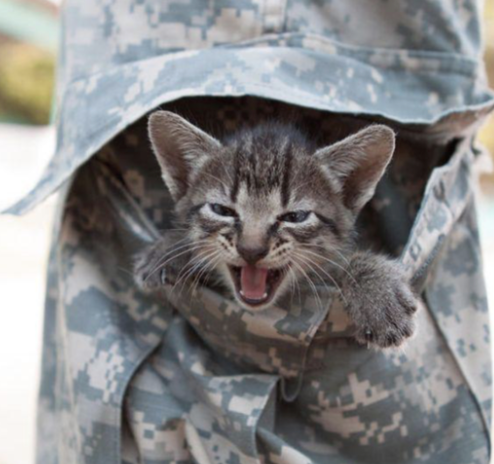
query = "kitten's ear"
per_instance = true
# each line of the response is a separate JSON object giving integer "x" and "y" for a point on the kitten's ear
{"x": 357, "y": 163}
{"x": 181, "y": 149}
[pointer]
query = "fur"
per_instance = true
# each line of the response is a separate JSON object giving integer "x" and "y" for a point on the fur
{"x": 267, "y": 197}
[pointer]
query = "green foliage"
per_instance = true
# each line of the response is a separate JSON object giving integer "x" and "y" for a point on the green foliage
{"x": 26, "y": 83}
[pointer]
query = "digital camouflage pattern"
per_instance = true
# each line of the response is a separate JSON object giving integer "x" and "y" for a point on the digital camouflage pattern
{"x": 407, "y": 60}
{"x": 181, "y": 377}
{"x": 188, "y": 376}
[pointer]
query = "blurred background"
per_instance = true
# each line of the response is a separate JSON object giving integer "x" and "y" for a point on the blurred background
{"x": 28, "y": 43}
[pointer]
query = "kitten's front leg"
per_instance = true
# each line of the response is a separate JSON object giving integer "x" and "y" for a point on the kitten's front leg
{"x": 162, "y": 262}
{"x": 379, "y": 299}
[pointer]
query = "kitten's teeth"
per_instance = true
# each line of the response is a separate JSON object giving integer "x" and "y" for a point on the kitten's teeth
{"x": 241, "y": 293}
{"x": 265, "y": 295}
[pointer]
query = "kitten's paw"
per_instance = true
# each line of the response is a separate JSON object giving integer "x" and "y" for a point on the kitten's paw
{"x": 161, "y": 263}
{"x": 148, "y": 274}
{"x": 381, "y": 303}
{"x": 392, "y": 323}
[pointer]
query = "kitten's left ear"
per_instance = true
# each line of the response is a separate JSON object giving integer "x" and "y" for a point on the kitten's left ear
{"x": 180, "y": 148}
{"x": 357, "y": 163}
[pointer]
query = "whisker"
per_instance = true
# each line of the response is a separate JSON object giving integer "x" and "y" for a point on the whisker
{"x": 296, "y": 283}
{"x": 163, "y": 231}
{"x": 312, "y": 263}
{"x": 125, "y": 270}
{"x": 309, "y": 280}
{"x": 201, "y": 268}
{"x": 169, "y": 256}
{"x": 205, "y": 264}
{"x": 195, "y": 263}
{"x": 225, "y": 170}
{"x": 342, "y": 256}
{"x": 217, "y": 179}
{"x": 312, "y": 269}
{"x": 208, "y": 266}
{"x": 168, "y": 252}
{"x": 298, "y": 187}
{"x": 161, "y": 264}
{"x": 334, "y": 263}
{"x": 210, "y": 271}
{"x": 190, "y": 266}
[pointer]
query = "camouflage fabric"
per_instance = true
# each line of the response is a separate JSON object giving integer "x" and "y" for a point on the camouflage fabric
{"x": 188, "y": 376}
{"x": 407, "y": 60}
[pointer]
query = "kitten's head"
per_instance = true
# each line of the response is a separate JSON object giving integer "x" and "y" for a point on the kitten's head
{"x": 263, "y": 208}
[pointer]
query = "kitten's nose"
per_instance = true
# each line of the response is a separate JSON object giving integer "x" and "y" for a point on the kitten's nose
{"x": 252, "y": 254}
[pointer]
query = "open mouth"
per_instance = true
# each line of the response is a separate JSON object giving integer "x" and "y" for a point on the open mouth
{"x": 256, "y": 286}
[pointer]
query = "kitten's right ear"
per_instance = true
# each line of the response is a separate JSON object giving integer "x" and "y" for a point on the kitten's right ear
{"x": 181, "y": 149}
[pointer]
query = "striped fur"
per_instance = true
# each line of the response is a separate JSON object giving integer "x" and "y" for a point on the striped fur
{"x": 249, "y": 191}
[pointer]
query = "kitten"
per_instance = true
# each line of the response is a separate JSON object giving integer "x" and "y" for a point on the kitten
{"x": 265, "y": 208}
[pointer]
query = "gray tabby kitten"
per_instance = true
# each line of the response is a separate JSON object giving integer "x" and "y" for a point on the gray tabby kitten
{"x": 264, "y": 209}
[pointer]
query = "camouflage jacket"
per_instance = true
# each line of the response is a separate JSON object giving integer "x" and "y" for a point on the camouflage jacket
{"x": 193, "y": 378}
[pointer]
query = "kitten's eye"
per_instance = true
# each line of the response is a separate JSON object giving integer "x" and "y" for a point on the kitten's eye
{"x": 295, "y": 216}
{"x": 221, "y": 210}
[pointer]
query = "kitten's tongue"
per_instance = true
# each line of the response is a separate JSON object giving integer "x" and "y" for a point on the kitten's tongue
{"x": 253, "y": 282}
